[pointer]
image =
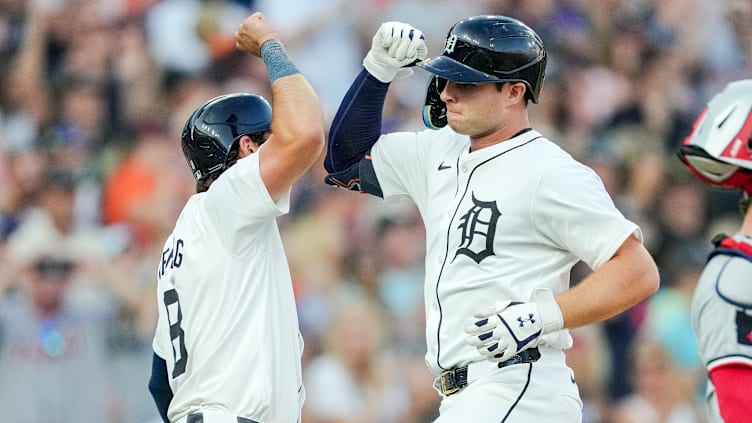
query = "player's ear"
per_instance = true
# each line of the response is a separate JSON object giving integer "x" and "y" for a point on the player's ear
{"x": 516, "y": 90}
{"x": 246, "y": 146}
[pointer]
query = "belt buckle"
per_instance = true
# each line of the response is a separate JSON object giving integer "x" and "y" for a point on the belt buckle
{"x": 444, "y": 389}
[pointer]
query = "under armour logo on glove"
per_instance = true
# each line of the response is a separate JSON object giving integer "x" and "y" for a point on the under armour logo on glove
{"x": 529, "y": 319}
{"x": 504, "y": 330}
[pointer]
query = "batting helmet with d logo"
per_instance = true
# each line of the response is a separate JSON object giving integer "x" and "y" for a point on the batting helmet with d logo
{"x": 482, "y": 49}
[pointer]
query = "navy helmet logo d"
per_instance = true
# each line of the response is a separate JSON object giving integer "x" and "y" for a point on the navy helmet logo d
{"x": 450, "y": 43}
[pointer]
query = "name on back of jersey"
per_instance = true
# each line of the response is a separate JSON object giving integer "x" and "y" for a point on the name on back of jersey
{"x": 172, "y": 256}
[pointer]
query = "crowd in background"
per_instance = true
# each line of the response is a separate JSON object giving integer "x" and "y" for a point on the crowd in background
{"x": 93, "y": 98}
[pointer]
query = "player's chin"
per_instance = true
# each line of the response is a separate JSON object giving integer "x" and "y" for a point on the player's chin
{"x": 457, "y": 123}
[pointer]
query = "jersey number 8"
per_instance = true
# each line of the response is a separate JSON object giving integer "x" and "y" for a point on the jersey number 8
{"x": 177, "y": 335}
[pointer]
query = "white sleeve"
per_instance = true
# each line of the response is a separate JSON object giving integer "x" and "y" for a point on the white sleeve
{"x": 239, "y": 197}
{"x": 573, "y": 210}
{"x": 399, "y": 162}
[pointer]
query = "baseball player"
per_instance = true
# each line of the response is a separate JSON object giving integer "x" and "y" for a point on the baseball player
{"x": 507, "y": 215}
{"x": 227, "y": 344}
{"x": 718, "y": 152}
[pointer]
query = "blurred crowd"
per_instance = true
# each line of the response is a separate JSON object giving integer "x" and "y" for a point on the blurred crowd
{"x": 93, "y": 97}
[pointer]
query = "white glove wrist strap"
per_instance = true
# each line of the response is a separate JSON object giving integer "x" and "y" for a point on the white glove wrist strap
{"x": 377, "y": 69}
{"x": 548, "y": 310}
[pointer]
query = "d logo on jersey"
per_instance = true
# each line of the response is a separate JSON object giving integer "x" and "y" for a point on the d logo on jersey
{"x": 478, "y": 228}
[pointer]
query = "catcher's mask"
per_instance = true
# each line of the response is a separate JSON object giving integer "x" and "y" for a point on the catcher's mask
{"x": 483, "y": 49}
{"x": 718, "y": 150}
{"x": 210, "y": 135}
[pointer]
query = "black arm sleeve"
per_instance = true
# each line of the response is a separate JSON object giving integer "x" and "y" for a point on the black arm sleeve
{"x": 159, "y": 386}
{"x": 357, "y": 123}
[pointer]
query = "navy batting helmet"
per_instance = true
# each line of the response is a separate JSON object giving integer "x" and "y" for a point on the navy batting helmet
{"x": 210, "y": 134}
{"x": 481, "y": 49}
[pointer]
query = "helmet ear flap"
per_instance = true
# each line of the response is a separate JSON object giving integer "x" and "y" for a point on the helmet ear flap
{"x": 434, "y": 110}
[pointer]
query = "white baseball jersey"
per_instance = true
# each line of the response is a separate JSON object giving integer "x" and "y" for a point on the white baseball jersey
{"x": 228, "y": 326}
{"x": 723, "y": 329}
{"x": 500, "y": 222}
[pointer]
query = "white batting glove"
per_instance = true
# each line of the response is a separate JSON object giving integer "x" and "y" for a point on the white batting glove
{"x": 501, "y": 332}
{"x": 394, "y": 45}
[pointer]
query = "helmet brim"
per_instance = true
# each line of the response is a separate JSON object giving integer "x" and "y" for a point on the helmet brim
{"x": 452, "y": 70}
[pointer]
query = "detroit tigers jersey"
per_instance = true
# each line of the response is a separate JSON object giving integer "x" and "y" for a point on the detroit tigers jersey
{"x": 228, "y": 326}
{"x": 500, "y": 222}
{"x": 723, "y": 330}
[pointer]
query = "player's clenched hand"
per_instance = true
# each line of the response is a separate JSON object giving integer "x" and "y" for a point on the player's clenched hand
{"x": 510, "y": 327}
{"x": 394, "y": 46}
{"x": 253, "y": 32}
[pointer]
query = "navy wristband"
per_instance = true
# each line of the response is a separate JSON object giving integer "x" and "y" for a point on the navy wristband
{"x": 278, "y": 63}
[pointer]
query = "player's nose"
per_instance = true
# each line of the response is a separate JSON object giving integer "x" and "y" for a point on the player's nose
{"x": 448, "y": 93}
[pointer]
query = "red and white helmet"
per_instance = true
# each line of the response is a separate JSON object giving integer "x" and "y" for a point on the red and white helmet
{"x": 718, "y": 150}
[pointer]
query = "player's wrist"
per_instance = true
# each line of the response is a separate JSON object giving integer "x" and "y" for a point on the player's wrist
{"x": 548, "y": 310}
{"x": 277, "y": 61}
{"x": 379, "y": 70}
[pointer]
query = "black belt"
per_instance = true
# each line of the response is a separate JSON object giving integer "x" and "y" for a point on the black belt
{"x": 199, "y": 418}
{"x": 455, "y": 379}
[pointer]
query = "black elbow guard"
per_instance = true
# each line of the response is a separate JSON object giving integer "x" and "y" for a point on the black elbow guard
{"x": 359, "y": 177}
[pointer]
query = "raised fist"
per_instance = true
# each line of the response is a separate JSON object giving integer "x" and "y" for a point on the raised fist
{"x": 395, "y": 46}
{"x": 253, "y": 32}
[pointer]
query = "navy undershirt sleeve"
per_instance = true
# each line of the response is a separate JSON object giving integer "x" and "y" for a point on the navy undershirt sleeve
{"x": 357, "y": 123}
{"x": 159, "y": 386}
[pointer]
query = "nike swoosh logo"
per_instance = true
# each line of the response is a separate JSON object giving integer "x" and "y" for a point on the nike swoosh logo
{"x": 442, "y": 166}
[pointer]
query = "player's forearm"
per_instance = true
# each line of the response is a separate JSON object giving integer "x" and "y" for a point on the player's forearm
{"x": 357, "y": 123}
{"x": 627, "y": 278}
{"x": 297, "y": 121}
